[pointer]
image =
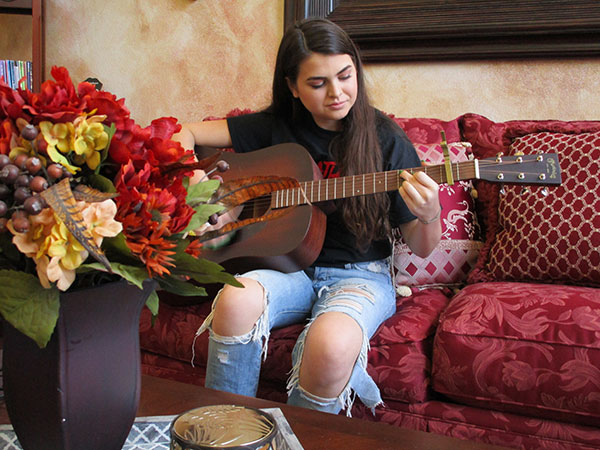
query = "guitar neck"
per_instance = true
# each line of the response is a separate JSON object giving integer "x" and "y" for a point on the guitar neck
{"x": 372, "y": 183}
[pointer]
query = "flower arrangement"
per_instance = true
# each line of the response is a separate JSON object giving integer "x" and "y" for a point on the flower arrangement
{"x": 88, "y": 196}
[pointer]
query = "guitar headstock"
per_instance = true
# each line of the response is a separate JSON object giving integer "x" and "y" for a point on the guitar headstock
{"x": 541, "y": 168}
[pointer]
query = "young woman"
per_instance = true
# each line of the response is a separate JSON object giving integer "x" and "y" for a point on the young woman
{"x": 320, "y": 101}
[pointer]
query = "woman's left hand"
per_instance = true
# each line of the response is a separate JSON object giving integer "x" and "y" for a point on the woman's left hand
{"x": 421, "y": 195}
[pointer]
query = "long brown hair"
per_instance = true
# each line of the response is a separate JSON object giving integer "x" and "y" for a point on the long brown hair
{"x": 356, "y": 149}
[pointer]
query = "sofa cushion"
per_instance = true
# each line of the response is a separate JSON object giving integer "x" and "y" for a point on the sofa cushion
{"x": 400, "y": 355}
{"x": 531, "y": 349}
{"x": 530, "y": 236}
{"x": 457, "y": 251}
{"x": 500, "y": 429}
{"x": 553, "y": 237}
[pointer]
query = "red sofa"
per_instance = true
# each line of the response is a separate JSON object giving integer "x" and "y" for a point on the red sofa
{"x": 497, "y": 334}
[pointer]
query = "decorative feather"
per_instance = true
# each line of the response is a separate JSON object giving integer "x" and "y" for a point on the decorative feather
{"x": 203, "y": 164}
{"x": 91, "y": 195}
{"x": 235, "y": 192}
{"x": 60, "y": 198}
{"x": 232, "y": 226}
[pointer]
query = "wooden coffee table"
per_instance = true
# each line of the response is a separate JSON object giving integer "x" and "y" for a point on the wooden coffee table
{"x": 314, "y": 429}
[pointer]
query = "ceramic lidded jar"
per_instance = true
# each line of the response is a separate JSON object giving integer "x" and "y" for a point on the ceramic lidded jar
{"x": 223, "y": 427}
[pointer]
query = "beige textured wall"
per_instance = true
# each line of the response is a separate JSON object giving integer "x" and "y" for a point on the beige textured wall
{"x": 194, "y": 58}
{"x": 567, "y": 89}
{"x": 15, "y": 37}
{"x": 183, "y": 58}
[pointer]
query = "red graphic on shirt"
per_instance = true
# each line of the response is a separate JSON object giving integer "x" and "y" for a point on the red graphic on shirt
{"x": 328, "y": 169}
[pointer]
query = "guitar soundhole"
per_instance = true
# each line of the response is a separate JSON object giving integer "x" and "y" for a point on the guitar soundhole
{"x": 256, "y": 207}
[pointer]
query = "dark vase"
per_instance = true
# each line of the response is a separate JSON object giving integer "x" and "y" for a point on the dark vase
{"x": 81, "y": 391}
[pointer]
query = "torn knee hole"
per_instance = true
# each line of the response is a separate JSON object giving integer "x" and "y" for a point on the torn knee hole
{"x": 347, "y": 297}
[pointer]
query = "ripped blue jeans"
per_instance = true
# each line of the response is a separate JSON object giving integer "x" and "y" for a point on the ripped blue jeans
{"x": 364, "y": 291}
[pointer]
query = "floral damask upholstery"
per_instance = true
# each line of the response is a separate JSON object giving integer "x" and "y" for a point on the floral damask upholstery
{"x": 507, "y": 359}
{"x": 503, "y": 429}
{"x": 531, "y": 349}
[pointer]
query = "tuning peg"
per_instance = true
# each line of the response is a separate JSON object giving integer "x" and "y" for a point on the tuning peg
{"x": 524, "y": 190}
{"x": 519, "y": 153}
{"x": 502, "y": 190}
{"x": 499, "y": 157}
{"x": 222, "y": 166}
{"x": 545, "y": 191}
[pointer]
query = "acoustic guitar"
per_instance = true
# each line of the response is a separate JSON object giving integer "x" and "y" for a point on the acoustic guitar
{"x": 281, "y": 225}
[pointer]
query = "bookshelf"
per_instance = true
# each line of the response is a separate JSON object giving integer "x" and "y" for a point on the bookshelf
{"x": 34, "y": 8}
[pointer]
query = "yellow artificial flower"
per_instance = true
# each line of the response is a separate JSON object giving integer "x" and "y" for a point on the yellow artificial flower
{"x": 60, "y": 138}
{"x": 56, "y": 273}
{"x": 58, "y": 135}
{"x": 40, "y": 225}
{"x": 90, "y": 139}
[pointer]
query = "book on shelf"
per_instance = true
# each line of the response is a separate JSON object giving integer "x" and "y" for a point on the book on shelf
{"x": 17, "y": 74}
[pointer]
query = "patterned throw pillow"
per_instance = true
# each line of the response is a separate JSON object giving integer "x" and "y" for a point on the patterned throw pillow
{"x": 457, "y": 251}
{"x": 553, "y": 237}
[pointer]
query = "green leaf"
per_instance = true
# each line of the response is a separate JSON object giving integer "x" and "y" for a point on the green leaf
{"x": 203, "y": 212}
{"x": 134, "y": 274}
{"x": 116, "y": 249}
{"x": 111, "y": 132}
{"x": 201, "y": 192}
{"x": 152, "y": 303}
{"x": 28, "y": 306}
{"x": 202, "y": 270}
{"x": 181, "y": 287}
{"x": 101, "y": 183}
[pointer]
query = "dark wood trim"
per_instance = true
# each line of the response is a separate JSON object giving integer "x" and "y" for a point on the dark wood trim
{"x": 404, "y": 30}
{"x": 15, "y": 6}
{"x": 38, "y": 47}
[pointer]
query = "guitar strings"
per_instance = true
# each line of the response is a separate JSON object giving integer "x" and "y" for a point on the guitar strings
{"x": 465, "y": 169}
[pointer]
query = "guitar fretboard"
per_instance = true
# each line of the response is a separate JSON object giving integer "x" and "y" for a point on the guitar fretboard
{"x": 371, "y": 183}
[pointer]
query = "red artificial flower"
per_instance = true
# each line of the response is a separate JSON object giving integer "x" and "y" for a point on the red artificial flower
{"x": 107, "y": 104}
{"x": 151, "y": 208}
{"x": 7, "y": 131}
{"x": 57, "y": 100}
{"x": 194, "y": 248}
{"x": 154, "y": 251}
{"x": 11, "y": 104}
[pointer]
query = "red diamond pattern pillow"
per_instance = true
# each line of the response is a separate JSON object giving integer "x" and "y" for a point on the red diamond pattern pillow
{"x": 452, "y": 259}
{"x": 554, "y": 237}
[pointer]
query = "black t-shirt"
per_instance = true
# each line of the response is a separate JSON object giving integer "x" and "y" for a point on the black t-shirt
{"x": 259, "y": 130}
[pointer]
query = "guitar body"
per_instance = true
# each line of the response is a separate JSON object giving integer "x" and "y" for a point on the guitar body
{"x": 289, "y": 243}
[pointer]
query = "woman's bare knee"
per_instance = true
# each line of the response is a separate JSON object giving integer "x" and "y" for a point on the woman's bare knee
{"x": 332, "y": 345}
{"x": 237, "y": 309}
